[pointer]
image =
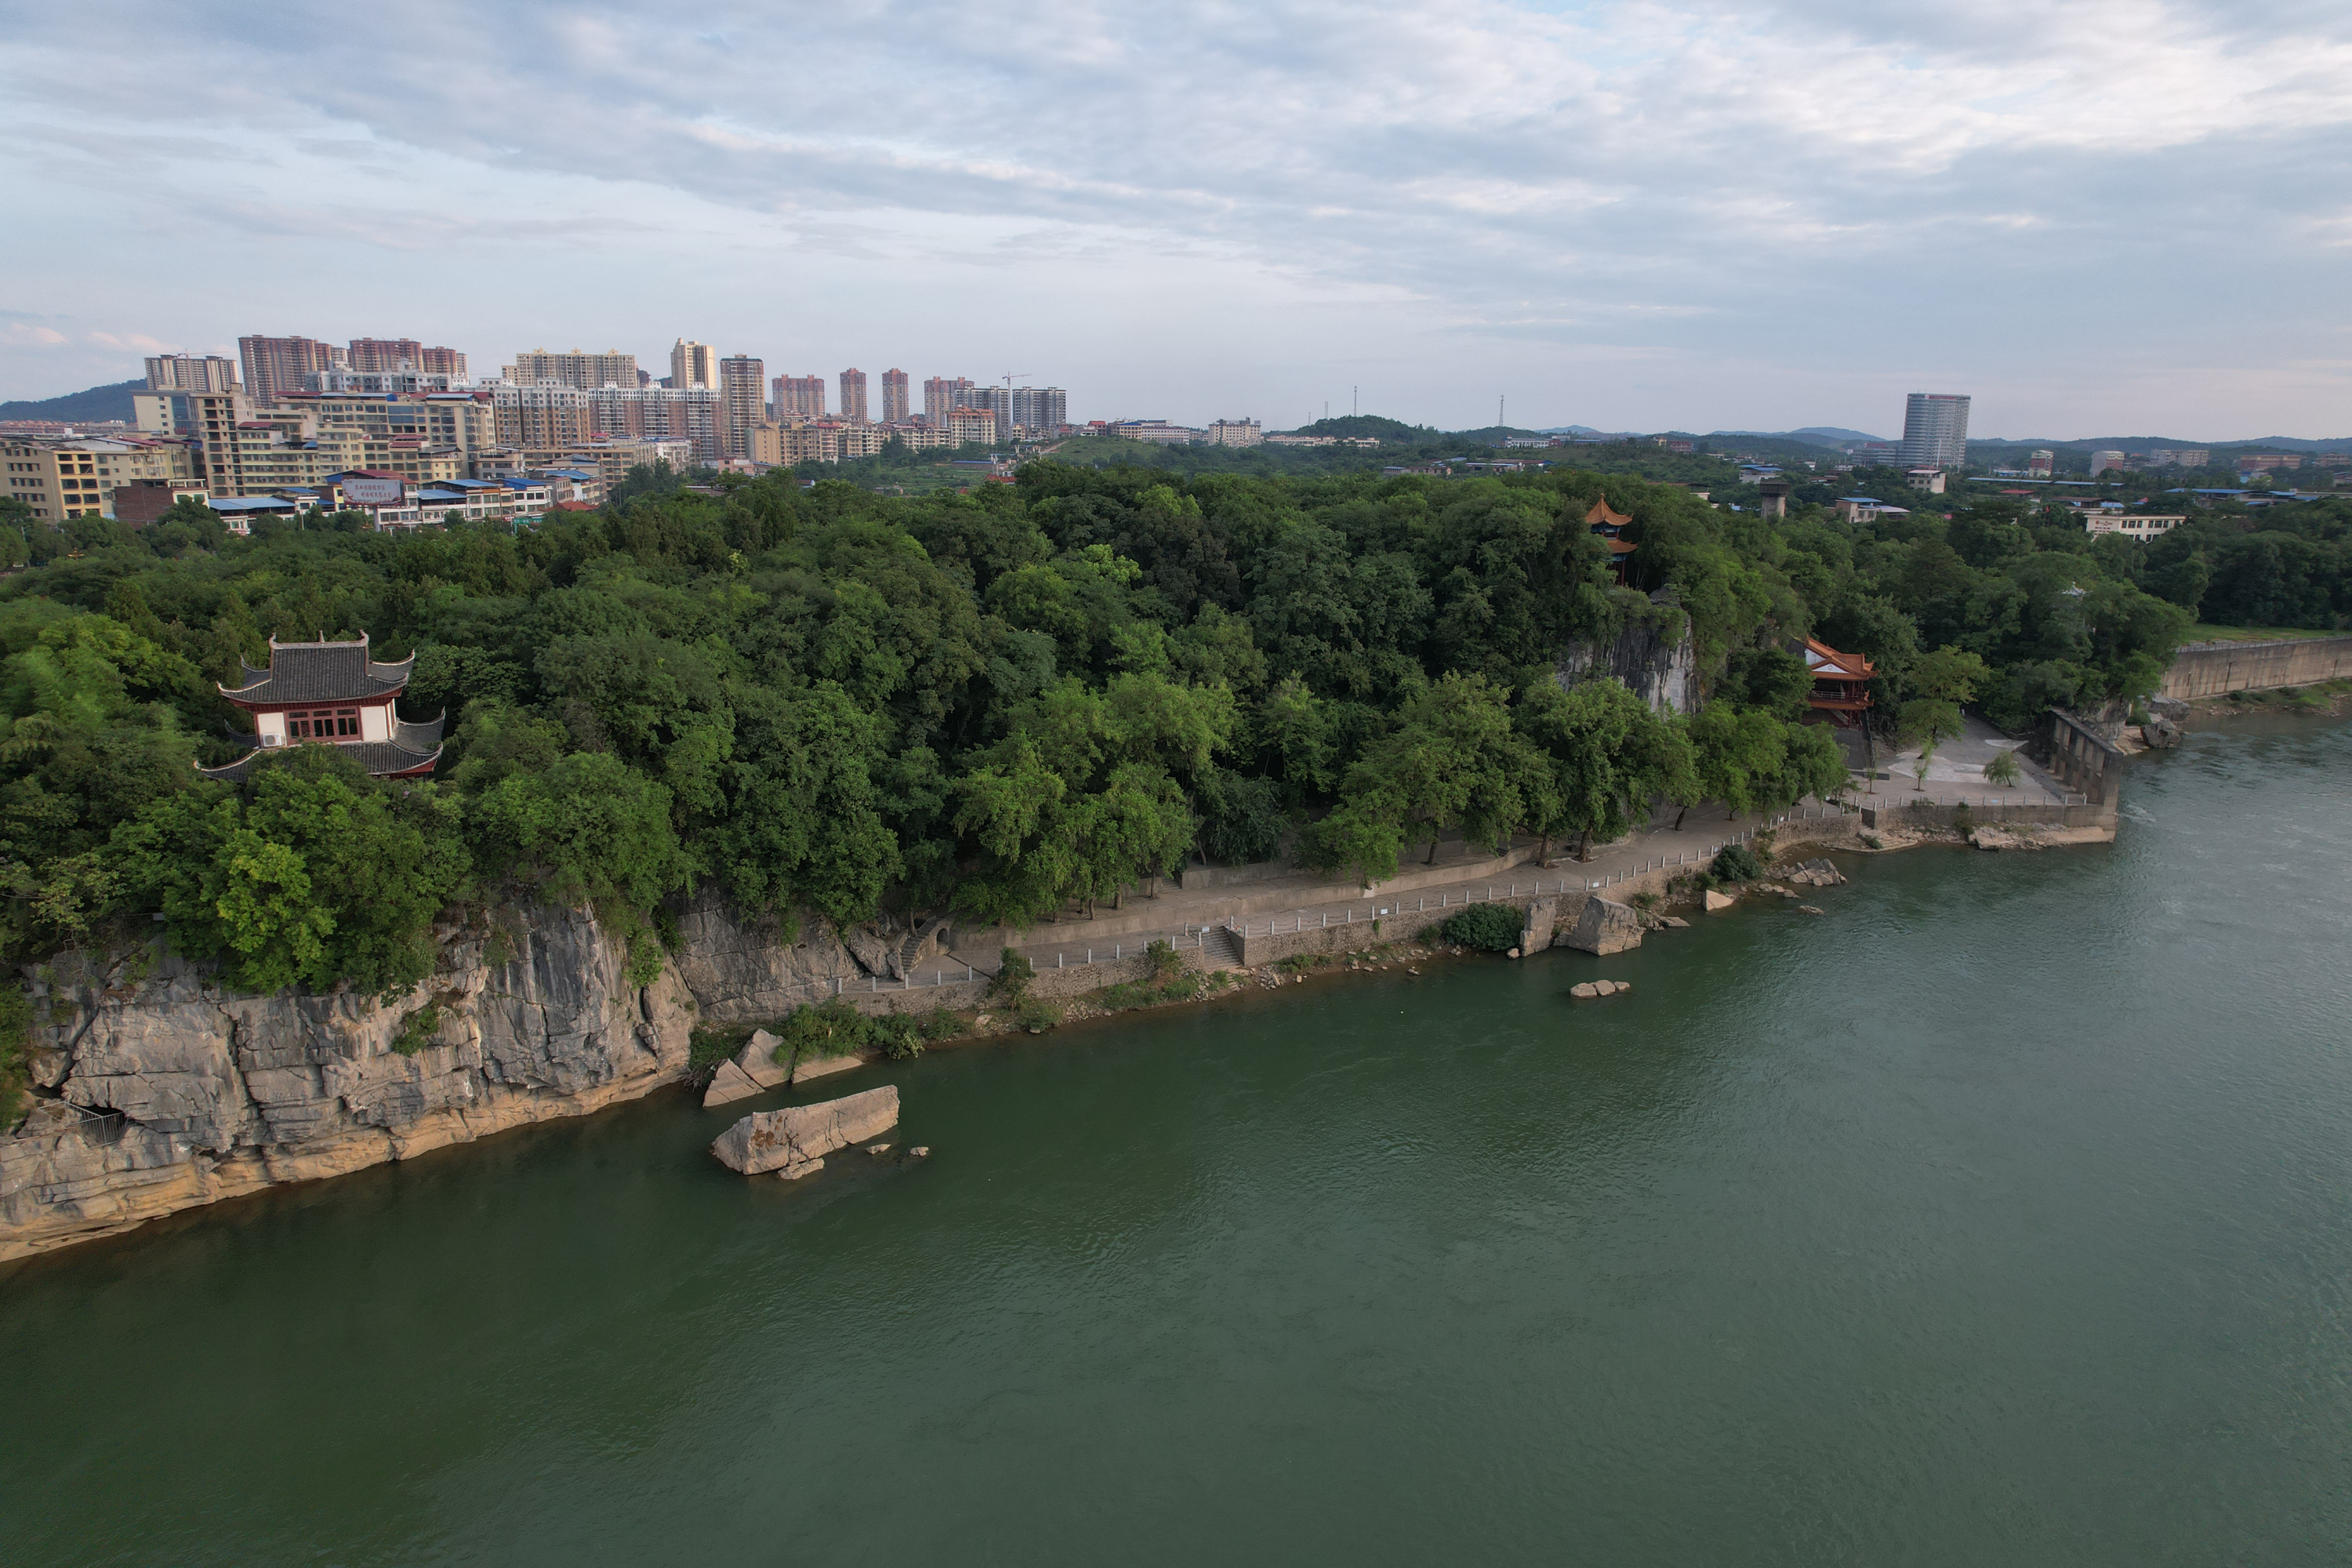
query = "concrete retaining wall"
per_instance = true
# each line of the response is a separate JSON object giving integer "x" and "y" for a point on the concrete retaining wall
{"x": 2218, "y": 668}
{"x": 1930, "y": 812}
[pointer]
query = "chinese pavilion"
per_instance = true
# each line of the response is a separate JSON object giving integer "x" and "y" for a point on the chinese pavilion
{"x": 1609, "y": 524}
{"x": 1840, "y": 684}
{"x": 334, "y": 693}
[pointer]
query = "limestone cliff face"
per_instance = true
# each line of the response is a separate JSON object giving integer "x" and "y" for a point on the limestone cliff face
{"x": 1662, "y": 671}
{"x": 160, "y": 1092}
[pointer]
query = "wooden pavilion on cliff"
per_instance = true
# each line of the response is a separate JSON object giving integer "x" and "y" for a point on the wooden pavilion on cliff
{"x": 1611, "y": 525}
{"x": 332, "y": 692}
{"x": 1840, "y": 684}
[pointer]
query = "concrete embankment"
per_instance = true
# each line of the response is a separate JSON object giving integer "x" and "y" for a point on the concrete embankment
{"x": 2218, "y": 668}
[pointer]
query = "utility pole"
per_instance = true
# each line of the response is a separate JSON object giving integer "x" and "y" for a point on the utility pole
{"x": 1353, "y": 409}
{"x": 1499, "y": 420}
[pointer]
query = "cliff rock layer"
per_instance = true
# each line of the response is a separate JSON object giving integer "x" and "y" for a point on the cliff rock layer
{"x": 162, "y": 1092}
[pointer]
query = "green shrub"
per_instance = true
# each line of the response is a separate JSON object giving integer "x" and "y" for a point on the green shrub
{"x": 2001, "y": 771}
{"x": 645, "y": 965}
{"x": 1036, "y": 1012}
{"x": 832, "y": 1028}
{"x": 1494, "y": 927}
{"x": 1737, "y": 863}
{"x": 1166, "y": 961}
{"x": 16, "y": 1035}
{"x": 1013, "y": 977}
{"x": 706, "y": 1048}
{"x": 902, "y": 1037}
{"x": 416, "y": 1030}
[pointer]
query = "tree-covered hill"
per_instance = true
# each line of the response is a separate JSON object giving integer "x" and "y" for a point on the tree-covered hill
{"x": 1007, "y": 702}
{"x": 91, "y": 406}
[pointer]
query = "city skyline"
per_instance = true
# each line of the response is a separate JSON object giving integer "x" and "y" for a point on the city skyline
{"x": 1765, "y": 218}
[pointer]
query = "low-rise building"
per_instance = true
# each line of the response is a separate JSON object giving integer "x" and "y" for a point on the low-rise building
{"x": 1156, "y": 430}
{"x": 1926, "y": 481}
{"x": 1868, "y": 508}
{"x": 2132, "y": 525}
{"x": 59, "y": 477}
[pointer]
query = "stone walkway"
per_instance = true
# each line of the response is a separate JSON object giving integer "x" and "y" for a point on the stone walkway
{"x": 1178, "y": 917}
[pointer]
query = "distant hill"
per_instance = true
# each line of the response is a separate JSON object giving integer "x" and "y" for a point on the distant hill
{"x": 75, "y": 407}
{"x": 2144, "y": 443}
{"x": 1829, "y": 435}
{"x": 1372, "y": 424}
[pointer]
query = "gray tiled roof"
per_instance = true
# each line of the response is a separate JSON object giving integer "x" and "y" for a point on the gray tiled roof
{"x": 321, "y": 672}
{"x": 418, "y": 746}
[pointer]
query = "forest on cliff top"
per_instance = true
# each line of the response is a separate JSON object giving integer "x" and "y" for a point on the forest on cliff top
{"x": 826, "y": 701}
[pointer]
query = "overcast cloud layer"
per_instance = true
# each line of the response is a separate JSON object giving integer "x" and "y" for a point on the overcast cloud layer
{"x": 2104, "y": 216}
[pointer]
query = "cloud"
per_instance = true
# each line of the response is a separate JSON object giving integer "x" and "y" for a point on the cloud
{"x": 1851, "y": 178}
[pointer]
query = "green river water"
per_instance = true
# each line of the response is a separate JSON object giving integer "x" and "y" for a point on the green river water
{"x": 2004, "y": 1215}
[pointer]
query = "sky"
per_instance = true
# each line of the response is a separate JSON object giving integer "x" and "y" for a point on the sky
{"x": 2097, "y": 218}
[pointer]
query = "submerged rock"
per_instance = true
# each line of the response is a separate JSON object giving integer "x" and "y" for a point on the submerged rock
{"x": 794, "y": 1141}
{"x": 809, "y": 1068}
{"x": 728, "y": 1084}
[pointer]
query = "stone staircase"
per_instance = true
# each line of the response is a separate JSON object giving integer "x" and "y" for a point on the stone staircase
{"x": 1219, "y": 948}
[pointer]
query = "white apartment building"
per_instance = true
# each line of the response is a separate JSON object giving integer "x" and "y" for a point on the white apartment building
{"x": 2131, "y": 525}
{"x": 1235, "y": 433}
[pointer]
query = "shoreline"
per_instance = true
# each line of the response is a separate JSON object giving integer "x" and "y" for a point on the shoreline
{"x": 515, "y": 1054}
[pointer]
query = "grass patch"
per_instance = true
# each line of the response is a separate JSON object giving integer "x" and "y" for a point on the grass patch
{"x": 1148, "y": 992}
{"x": 2201, "y": 633}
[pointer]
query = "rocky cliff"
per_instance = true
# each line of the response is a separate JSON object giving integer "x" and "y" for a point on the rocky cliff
{"x": 1653, "y": 657}
{"x": 160, "y": 1091}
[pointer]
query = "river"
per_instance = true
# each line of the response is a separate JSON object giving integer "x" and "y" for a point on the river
{"x": 2004, "y": 1215}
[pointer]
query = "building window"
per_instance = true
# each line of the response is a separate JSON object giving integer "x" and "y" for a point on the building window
{"x": 347, "y": 721}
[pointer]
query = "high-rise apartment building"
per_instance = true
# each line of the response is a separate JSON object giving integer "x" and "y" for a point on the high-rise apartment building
{"x": 853, "y": 396}
{"x": 895, "y": 404}
{"x": 189, "y": 372}
{"x": 800, "y": 397}
{"x": 1934, "y": 431}
{"x": 382, "y": 353}
{"x": 998, "y": 401}
{"x": 2039, "y": 462}
{"x": 742, "y": 401}
{"x": 693, "y": 364}
{"x": 688, "y": 414}
{"x": 275, "y": 366}
{"x": 1040, "y": 409}
{"x": 389, "y": 355}
{"x": 1235, "y": 433}
{"x": 575, "y": 367}
{"x": 943, "y": 394}
{"x": 542, "y": 414}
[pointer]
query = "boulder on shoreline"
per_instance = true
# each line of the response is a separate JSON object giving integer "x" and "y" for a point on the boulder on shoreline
{"x": 1605, "y": 927}
{"x": 794, "y": 1142}
{"x": 1716, "y": 902}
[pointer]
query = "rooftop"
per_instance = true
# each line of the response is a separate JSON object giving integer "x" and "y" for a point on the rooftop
{"x": 320, "y": 672}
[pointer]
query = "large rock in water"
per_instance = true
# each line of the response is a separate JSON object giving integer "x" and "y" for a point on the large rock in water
{"x": 794, "y": 1142}
{"x": 1605, "y": 927}
{"x": 1715, "y": 902}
